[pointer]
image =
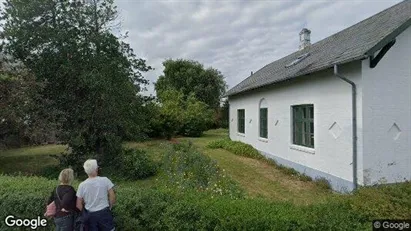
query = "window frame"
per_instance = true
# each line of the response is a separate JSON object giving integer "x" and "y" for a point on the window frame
{"x": 263, "y": 121}
{"x": 239, "y": 119}
{"x": 303, "y": 129}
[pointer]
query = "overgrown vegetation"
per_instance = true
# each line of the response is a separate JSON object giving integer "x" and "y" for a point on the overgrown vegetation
{"x": 185, "y": 167}
{"x": 169, "y": 209}
{"x": 175, "y": 198}
{"x": 173, "y": 114}
{"x": 133, "y": 164}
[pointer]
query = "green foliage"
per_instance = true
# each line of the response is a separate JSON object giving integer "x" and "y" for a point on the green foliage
{"x": 190, "y": 77}
{"x": 50, "y": 172}
{"x": 242, "y": 149}
{"x": 93, "y": 77}
{"x": 224, "y": 114}
{"x": 24, "y": 116}
{"x": 174, "y": 115}
{"x": 134, "y": 164}
{"x": 389, "y": 201}
{"x": 236, "y": 147}
{"x": 169, "y": 209}
{"x": 197, "y": 117}
{"x": 171, "y": 116}
{"x": 24, "y": 197}
{"x": 185, "y": 167}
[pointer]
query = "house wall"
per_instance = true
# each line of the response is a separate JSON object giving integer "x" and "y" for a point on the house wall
{"x": 387, "y": 116}
{"x": 332, "y": 154}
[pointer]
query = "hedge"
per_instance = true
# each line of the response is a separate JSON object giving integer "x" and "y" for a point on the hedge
{"x": 236, "y": 147}
{"x": 172, "y": 209}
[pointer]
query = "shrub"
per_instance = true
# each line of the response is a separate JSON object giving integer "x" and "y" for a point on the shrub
{"x": 24, "y": 197}
{"x": 133, "y": 164}
{"x": 170, "y": 209}
{"x": 197, "y": 117}
{"x": 187, "y": 168}
{"x": 175, "y": 114}
{"x": 236, "y": 147}
{"x": 51, "y": 172}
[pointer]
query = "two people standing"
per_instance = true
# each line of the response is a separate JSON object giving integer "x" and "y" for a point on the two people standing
{"x": 94, "y": 199}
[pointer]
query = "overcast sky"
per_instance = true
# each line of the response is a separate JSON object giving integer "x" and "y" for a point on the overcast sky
{"x": 233, "y": 36}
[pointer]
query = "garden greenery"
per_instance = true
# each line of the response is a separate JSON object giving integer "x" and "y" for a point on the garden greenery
{"x": 242, "y": 149}
{"x": 185, "y": 167}
{"x": 172, "y": 209}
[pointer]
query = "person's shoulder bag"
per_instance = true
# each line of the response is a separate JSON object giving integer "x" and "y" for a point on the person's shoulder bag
{"x": 51, "y": 209}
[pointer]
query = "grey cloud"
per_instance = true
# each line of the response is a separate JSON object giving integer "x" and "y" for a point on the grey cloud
{"x": 236, "y": 37}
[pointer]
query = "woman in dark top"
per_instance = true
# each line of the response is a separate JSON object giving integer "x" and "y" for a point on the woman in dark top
{"x": 64, "y": 196}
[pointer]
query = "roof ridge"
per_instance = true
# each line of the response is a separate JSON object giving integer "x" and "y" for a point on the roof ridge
{"x": 347, "y": 44}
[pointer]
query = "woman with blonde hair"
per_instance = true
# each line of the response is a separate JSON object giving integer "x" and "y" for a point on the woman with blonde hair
{"x": 64, "y": 197}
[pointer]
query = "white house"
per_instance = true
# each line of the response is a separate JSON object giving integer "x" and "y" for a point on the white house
{"x": 339, "y": 108}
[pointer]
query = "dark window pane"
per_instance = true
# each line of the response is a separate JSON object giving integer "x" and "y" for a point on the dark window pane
{"x": 311, "y": 110}
{"x": 299, "y": 114}
{"x": 241, "y": 120}
{"x": 303, "y": 125}
{"x": 298, "y": 138}
{"x": 298, "y": 127}
{"x": 311, "y": 127}
{"x": 263, "y": 122}
{"x": 307, "y": 127}
{"x": 307, "y": 139}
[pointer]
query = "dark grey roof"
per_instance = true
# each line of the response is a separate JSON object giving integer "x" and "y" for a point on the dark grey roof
{"x": 353, "y": 43}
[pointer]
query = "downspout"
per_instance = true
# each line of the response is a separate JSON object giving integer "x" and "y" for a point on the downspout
{"x": 354, "y": 123}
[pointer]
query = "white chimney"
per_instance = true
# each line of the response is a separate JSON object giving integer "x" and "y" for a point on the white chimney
{"x": 305, "y": 38}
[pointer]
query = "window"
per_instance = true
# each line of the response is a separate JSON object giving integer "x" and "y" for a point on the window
{"x": 299, "y": 59}
{"x": 303, "y": 125}
{"x": 241, "y": 120}
{"x": 263, "y": 123}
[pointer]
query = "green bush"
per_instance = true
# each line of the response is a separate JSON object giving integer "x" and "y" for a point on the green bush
{"x": 24, "y": 197}
{"x": 197, "y": 118}
{"x": 186, "y": 168}
{"x": 236, "y": 147}
{"x": 133, "y": 164}
{"x": 51, "y": 172}
{"x": 171, "y": 209}
{"x": 176, "y": 114}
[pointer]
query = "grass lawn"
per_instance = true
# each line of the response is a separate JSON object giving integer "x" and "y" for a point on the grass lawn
{"x": 258, "y": 178}
{"x": 29, "y": 160}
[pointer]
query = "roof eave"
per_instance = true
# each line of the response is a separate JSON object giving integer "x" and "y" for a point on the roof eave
{"x": 389, "y": 38}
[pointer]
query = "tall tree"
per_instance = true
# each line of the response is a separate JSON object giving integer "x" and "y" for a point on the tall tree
{"x": 92, "y": 76}
{"x": 24, "y": 116}
{"x": 225, "y": 114}
{"x": 189, "y": 76}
